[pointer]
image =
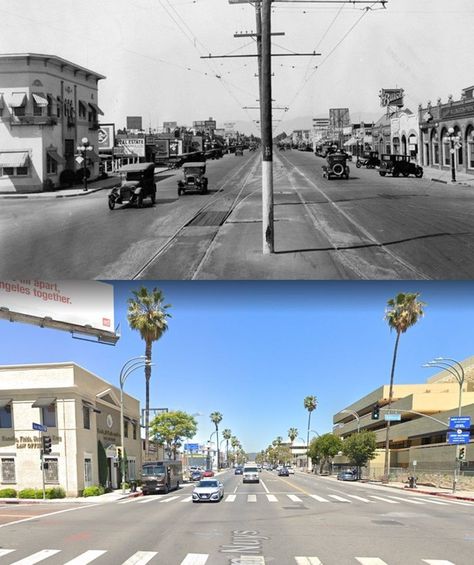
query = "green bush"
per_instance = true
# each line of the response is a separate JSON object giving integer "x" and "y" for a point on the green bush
{"x": 8, "y": 493}
{"x": 93, "y": 491}
{"x": 55, "y": 492}
{"x": 30, "y": 493}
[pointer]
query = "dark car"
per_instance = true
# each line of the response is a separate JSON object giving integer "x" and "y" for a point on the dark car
{"x": 195, "y": 476}
{"x": 238, "y": 471}
{"x": 347, "y": 476}
{"x": 336, "y": 165}
{"x": 283, "y": 472}
{"x": 399, "y": 165}
{"x": 138, "y": 183}
{"x": 193, "y": 178}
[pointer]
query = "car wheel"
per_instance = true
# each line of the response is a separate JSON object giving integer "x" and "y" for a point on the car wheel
{"x": 358, "y": 164}
{"x": 382, "y": 173}
{"x": 153, "y": 198}
{"x": 111, "y": 203}
{"x": 419, "y": 173}
{"x": 140, "y": 200}
{"x": 405, "y": 173}
{"x": 395, "y": 174}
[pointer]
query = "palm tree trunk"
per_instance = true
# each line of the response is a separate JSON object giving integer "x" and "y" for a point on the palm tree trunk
{"x": 217, "y": 439}
{"x": 147, "y": 397}
{"x": 307, "y": 441}
{"x": 390, "y": 396}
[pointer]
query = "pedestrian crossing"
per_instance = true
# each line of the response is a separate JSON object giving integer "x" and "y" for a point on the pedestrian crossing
{"x": 303, "y": 499}
{"x": 153, "y": 557}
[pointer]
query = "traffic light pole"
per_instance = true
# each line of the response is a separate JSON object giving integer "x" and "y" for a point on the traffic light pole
{"x": 42, "y": 468}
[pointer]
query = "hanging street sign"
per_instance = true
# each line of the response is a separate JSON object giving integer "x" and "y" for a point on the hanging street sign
{"x": 39, "y": 427}
{"x": 460, "y": 422}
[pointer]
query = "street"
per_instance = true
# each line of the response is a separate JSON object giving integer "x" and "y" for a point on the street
{"x": 301, "y": 519}
{"x": 367, "y": 227}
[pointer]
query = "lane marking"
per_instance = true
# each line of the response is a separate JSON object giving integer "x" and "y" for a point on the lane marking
{"x": 187, "y": 499}
{"x": 86, "y": 557}
{"x": 264, "y": 486}
{"x": 252, "y": 498}
{"x": 437, "y": 562}
{"x": 5, "y": 551}
{"x": 169, "y": 499}
{"x": 308, "y": 561}
{"x": 294, "y": 498}
{"x": 195, "y": 559}
{"x": 383, "y": 499}
{"x": 318, "y": 498}
{"x": 230, "y": 498}
{"x": 361, "y": 499}
{"x": 140, "y": 558}
{"x": 433, "y": 501}
{"x": 272, "y": 498}
{"x": 338, "y": 498}
{"x": 37, "y": 557}
{"x": 407, "y": 500}
{"x": 370, "y": 561}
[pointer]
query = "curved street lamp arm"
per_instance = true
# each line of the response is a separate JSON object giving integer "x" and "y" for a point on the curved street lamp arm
{"x": 457, "y": 363}
{"x": 448, "y": 368}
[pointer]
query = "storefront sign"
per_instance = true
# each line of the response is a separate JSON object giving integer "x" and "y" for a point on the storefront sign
{"x": 466, "y": 109}
{"x": 106, "y": 136}
{"x": 132, "y": 145}
{"x": 391, "y": 97}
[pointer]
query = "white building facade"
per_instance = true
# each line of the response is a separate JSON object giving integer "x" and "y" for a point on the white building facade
{"x": 47, "y": 106}
{"x": 82, "y": 414}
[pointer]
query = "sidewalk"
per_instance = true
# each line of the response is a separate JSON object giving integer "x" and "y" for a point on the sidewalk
{"x": 426, "y": 489}
{"x": 444, "y": 176}
{"x": 78, "y": 190}
{"x": 107, "y": 497}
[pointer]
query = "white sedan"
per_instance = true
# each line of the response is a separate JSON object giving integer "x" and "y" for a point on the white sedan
{"x": 208, "y": 490}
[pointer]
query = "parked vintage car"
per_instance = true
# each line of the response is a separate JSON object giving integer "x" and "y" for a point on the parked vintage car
{"x": 370, "y": 159}
{"x": 194, "y": 179}
{"x": 138, "y": 183}
{"x": 336, "y": 166}
{"x": 399, "y": 165}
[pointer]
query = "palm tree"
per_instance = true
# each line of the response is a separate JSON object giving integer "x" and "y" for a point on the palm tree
{"x": 227, "y": 434}
{"x": 402, "y": 312}
{"x": 293, "y": 434}
{"x": 147, "y": 314}
{"x": 216, "y": 418}
{"x": 310, "y": 404}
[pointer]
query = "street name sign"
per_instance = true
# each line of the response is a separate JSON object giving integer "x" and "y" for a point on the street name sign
{"x": 39, "y": 427}
{"x": 393, "y": 417}
{"x": 460, "y": 422}
{"x": 459, "y": 437}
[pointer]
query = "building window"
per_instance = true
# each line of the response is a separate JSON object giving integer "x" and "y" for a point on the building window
{"x": 86, "y": 417}
{"x": 51, "y": 165}
{"x": 8, "y": 171}
{"x": 134, "y": 430}
{"x": 6, "y": 416}
{"x": 37, "y": 110}
{"x": 21, "y": 171}
{"x": 48, "y": 415}
{"x": 87, "y": 472}
{"x": 470, "y": 149}
{"x": 8, "y": 470}
{"x": 14, "y": 171}
{"x": 125, "y": 428}
{"x": 19, "y": 111}
{"x": 51, "y": 470}
{"x": 132, "y": 469}
{"x": 58, "y": 106}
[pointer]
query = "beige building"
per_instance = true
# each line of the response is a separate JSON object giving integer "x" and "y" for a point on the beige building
{"x": 419, "y": 440}
{"x": 82, "y": 414}
{"x": 47, "y": 106}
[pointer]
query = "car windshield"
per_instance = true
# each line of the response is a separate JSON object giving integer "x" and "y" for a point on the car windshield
{"x": 153, "y": 470}
{"x": 250, "y": 469}
{"x": 134, "y": 175}
{"x": 208, "y": 484}
{"x": 193, "y": 170}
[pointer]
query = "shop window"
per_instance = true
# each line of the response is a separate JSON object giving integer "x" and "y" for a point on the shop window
{"x": 125, "y": 428}
{"x": 21, "y": 171}
{"x": 51, "y": 470}
{"x": 87, "y": 472}
{"x": 37, "y": 110}
{"x": 86, "y": 417}
{"x": 48, "y": 415}
{"x": 8, "y": 470}
{"x": 8, "y": 171}
{"x": 20, "y": 111}
{"x": 6, "y": 416}
{"x": 51, "y": 165}
{"x": 470, "y": 151}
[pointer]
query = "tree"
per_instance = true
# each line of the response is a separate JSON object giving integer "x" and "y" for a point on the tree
{"x": 216, "y": 418}
{"x": 293, "y": 434}
{"x": 324, "y": 448}
{"x": 360, "y": 448}
{"x": 310, "y": 404}
{"x": 147, "y": 314}
{"x": 170, "y": 428}
{"x": 402, "y": 312}
{"x": 227, "y": 434}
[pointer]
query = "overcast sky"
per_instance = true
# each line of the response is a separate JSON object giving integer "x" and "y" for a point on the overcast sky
{"x": 150, "y": 50}
{"x": 254, "y": 350}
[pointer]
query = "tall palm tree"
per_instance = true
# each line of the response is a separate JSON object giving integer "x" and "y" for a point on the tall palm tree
{"x": 402, "y": 312}
{"x": 227, "y": 434}
{"x": 310, "y": 404}
{"x": 216, "y": 418}
{"x": 293, "y": 434}
{"x": 148, "y": 315}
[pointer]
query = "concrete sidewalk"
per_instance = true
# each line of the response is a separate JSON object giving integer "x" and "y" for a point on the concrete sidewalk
{"x": 107, "y": 497}
{"x": 428, "y": 489}
{"x": 444, "y": 176}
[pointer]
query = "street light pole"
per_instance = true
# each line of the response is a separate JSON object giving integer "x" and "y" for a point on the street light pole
{"x": 209, "y": 461}
{"x": 356, "y": 416}
{"x": 452, "y": 140}
{"x": 83, "y": 149}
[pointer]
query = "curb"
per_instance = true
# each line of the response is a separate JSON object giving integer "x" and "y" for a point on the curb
{"x": 420, "y": 490}
{"x": 68, "y": 500}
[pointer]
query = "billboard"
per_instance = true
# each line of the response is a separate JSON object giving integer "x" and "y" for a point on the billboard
{"x": 339, "y": 118}
{"x": 170, "y": 125}
{"x": 80, "y": 306}
{"x": 391, "y": 97}
{"x": 161, "y": 148}
{"x": 106, "y": 135}
{"x": 196, "y": 143}
{"x": 176, "y": 147}
{"x": 132, "y": 145}
{"x": 134, "y": 122}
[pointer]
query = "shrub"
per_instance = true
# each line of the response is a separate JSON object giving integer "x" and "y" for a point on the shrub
{"x": 30, "y": 493}
{"x": 8, "y": 493}
{"x": 55, "y": 492}
{"x": 93, "y": 491}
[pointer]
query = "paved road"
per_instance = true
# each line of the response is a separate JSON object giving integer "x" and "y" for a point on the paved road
{"x": 302, "y": 520}
{"x": 367, "y": 227}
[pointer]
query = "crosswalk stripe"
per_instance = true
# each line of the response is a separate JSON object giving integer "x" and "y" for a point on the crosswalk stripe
{"x": 272, "y": 498}
{"x": 5, "y": 551}
{"x": 294, "y": 498}
{"x": 437, "y": 562}
{"x": 86, "y": 557}
{"x": 169, "y": 499}
{"x": 187, "y": 499}
{"x": 318, "y": 498}
{"x": 370, "y": 561}
{"x": 339, "y": 498}
{"x": 147, "y": 499}
{"x": 230, "y": 498}
{"x": 252, "y": 498}
{"x": 360, "y": 498}
{"x": 195, "y": 559}
{"x": 37, "y": 557}
{"x": 407, "y": 500}
{"x": 140, "y": 558}
{"x": 433, "y": 501}
{"x": 384, "y": 499}
{"x": 308, "y": 561}
{"x": 126, "y": 501}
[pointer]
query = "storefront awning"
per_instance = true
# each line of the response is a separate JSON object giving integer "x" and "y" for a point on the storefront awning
{"x": 13, "y": 158}
{"x": 5, "y": 402}
{"x": 56, "y": 156}
{"x": 40, "y": 99}
{"x": 18, "y": 99}
{"x": 43, "y": 402}
{"x": 96, "y": 108}
{"x": 91, "y": 406}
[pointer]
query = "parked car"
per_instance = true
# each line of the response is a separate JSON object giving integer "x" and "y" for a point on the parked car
{"x": 291, "y": 470}
{"x": 138, "y": 183}
{"x": 193, "y": 178}
{"x": 195, "y": 476}
{"x": 370, "y": 160}
{"x": 283, "y": 472}
{"x": 208, "y": 473}
{"x": 399, "y": 165}
{"x": 210, "y": 490}
{"x": 347, "y": 476}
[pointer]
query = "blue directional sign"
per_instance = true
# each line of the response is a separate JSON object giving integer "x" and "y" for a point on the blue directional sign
{"x": 39, "y": 427}
{"x": 459, "y": 437}
{"x": 460, "y": 422}
{"x": 192, "y": 446}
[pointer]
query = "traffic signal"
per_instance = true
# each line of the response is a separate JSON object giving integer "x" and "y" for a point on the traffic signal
{"x": 462, "y": 453}
{"x": 47, "y": 444}
{"x": 375, "y": 412}
{"x": 119, "y": 453}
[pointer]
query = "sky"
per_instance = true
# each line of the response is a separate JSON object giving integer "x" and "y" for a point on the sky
{"x": 150, "y": 51}
{"x": 254, "y": 350}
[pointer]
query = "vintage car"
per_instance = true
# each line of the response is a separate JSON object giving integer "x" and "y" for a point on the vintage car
{"x": 239, "y": 151}
{"x": 399, "y": 164}
{"x": 138, "y": 183}
{"x": 194, "y": 179}
{"x": 370, "y": 159}
{"x": 336, "y": 166}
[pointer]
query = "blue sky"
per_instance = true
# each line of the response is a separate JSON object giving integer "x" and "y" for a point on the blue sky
{"x": 254, "y": 350}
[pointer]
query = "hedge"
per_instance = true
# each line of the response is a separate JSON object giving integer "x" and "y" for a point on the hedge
{"x": 93, "y": 491}
{"x": 8, "y": 493}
